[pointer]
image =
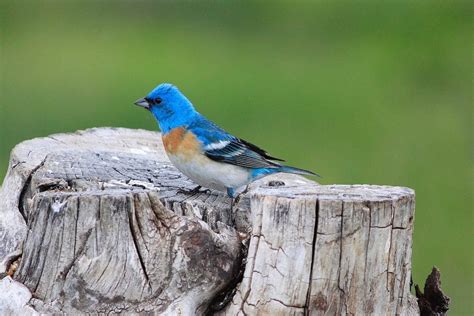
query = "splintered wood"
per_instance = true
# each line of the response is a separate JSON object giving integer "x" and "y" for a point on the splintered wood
{"x": 99, "y": 221}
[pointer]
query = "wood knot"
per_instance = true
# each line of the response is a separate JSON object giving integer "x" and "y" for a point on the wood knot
{"x": 320, "y": 302}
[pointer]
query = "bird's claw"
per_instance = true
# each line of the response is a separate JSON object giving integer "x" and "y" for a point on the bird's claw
{"x": 195, "y": 190}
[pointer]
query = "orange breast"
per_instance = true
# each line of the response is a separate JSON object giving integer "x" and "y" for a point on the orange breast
{"x": 178, "y": 141}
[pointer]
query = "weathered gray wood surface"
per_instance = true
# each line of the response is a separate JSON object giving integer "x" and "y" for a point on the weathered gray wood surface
{"x": 104, "y": 223}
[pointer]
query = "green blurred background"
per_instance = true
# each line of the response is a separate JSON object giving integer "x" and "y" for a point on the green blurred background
{"x": 361, "y": 92}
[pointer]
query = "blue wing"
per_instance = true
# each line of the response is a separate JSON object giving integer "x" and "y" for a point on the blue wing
{"x": 219, "y": 145}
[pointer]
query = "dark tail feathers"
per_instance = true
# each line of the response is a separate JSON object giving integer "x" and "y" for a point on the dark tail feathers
{"x": 294, "y": 170}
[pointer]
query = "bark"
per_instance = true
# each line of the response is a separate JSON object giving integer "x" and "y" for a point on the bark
{"x": 102, "y": 222}
{"x": 433, "y": 301}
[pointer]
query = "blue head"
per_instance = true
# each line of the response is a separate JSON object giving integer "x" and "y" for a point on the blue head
{"x": 169, "y": 106}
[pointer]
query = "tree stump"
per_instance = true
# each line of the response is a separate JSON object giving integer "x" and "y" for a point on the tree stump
{"x": 99, "y": 221}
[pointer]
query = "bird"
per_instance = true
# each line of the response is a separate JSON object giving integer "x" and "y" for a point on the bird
{"x": 204, "y": 152}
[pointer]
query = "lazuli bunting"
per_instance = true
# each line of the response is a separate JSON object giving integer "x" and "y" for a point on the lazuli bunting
{"x": 203, "y": 151}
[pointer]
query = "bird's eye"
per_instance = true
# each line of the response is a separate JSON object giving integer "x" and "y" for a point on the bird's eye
{"x": 157, "y": 101}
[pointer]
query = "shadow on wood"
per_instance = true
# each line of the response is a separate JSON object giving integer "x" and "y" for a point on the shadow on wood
{"x": 104, "y": 223}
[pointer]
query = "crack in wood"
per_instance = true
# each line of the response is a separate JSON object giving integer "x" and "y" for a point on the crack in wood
{"x": 26, "y": 187}
{"x": 367, "y": 243}
{"x": 131, "y": 215}
{"x": 341, "y": 240}
{"x": 390, "y": 251}
{"x": 313, "y": 253}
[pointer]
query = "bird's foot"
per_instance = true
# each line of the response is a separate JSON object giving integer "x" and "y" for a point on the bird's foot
{"x": 239, "y": 196}
{"x": 247, "y": 187}
{"x": 235, "y": 199}
{"x": 195, "y": 190}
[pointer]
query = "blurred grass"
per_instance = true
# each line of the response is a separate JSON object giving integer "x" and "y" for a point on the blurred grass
{"x": 361, "y": 92}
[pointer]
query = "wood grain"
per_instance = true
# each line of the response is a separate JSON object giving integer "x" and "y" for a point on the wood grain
{"x": 101, "y": 222}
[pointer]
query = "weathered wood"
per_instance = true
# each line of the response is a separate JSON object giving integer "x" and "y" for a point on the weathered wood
{"x": 14, "y": 298}
{"x": 328, "y": 250}
{"x": 104, "y": 223}
{"x": 433, "y": 301}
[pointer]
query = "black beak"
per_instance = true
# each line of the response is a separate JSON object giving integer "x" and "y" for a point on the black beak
{"x": 143, "y": 103}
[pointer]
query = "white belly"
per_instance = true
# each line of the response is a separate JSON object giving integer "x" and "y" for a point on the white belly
{"x": 211, "y": 174}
